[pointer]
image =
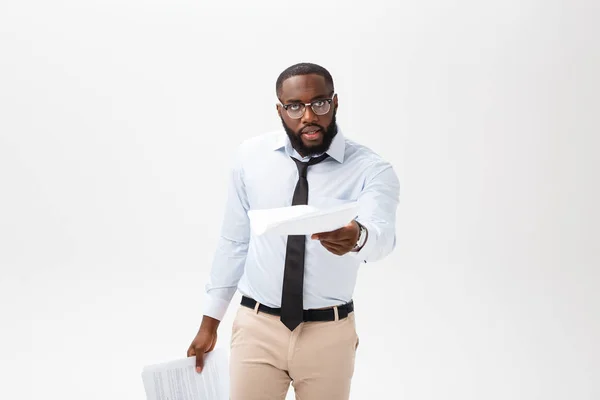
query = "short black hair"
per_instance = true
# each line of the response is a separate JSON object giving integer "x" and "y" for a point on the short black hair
{"x": 303, "y": 69}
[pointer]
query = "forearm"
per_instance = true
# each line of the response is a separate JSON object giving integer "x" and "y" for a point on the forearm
{"x": 227, "y": 269}
{"x": 377, "y": 212}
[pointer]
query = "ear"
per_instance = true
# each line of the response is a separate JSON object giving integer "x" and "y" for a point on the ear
{"x": 278, "y": 107}
{"x": 335, "y": 101}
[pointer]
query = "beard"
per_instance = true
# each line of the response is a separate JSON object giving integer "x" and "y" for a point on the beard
{"x": 309, "y": 151}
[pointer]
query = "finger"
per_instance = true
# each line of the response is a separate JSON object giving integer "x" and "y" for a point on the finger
{"x": 326, "y": 235}
{"x": 339, "y": 248}
{"x": 191, "y": 352}
{"x": 335, "y": 249}
{"x": 342, "y": 240}
{"x": 346, "y": 232}
{"x": 330, "y": 234}
{"x": 343, "y": 244}
{"x": 199, "y": 360}
{"x": 336, "y": 252}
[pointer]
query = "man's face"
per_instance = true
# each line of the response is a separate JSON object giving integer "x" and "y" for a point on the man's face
{"x": 310, "y": 134}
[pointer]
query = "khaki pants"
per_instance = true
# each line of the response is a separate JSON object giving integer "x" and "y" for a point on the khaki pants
{"x": 317, "y": 357}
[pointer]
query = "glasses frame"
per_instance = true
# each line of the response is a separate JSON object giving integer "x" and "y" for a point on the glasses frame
{"x": 286, "y": 106}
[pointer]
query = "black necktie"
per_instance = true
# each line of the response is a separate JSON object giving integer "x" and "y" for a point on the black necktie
{"x": 293, "y": 275}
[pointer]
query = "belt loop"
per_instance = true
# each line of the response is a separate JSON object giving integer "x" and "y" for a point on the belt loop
{"x": 336, "y": 313}
{"x": 256, "y": 307}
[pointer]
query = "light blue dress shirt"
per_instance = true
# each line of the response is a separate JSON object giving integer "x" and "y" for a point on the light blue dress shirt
{"x": 263, "y": 176}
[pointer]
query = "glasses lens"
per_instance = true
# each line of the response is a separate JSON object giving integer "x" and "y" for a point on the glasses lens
{"x": 321, "y": 107}
{"x": 295, "y": 111}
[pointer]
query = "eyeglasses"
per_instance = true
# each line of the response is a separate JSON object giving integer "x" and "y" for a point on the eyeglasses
{"x": 319, "y": 107}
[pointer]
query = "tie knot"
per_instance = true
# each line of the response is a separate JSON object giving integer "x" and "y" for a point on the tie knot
{"x": 303, "y": 166}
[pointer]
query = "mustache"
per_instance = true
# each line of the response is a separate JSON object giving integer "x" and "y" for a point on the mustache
{"x": 295, "y": 137}
{"x": 305, "y": 128}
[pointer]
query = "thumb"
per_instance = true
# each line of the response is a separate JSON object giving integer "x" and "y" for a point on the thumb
{"x": 191, "y": 351}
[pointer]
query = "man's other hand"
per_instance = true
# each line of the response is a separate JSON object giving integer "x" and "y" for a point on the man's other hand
{"x": 340, "y": 241}
{"x": 204, "y": 342}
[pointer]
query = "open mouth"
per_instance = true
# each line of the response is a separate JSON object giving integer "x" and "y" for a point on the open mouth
{"x": 311, "y": 133}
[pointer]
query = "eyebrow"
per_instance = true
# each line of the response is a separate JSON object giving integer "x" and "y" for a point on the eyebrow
{"x": 322, "y": 96}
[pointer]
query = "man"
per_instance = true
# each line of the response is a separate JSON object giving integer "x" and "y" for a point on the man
{"x": 296, "y": 322}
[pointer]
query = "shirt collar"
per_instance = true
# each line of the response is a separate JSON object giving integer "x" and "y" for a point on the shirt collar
{"x": 336, "y": 150}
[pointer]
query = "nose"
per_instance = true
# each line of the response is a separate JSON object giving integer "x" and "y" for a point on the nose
{"x": 309, "y": 116}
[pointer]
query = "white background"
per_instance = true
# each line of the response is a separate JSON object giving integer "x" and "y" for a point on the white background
{"x": 117, "y": 124}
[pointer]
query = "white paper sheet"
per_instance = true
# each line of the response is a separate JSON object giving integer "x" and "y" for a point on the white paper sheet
{"x": 178, "y": 380}
{"x": 302, "y": 220}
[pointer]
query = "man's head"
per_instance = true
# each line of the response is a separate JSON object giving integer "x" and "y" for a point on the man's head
{"x": 311, "y": 129}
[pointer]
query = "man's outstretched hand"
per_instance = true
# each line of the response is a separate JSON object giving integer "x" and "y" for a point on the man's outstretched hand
{"x": 204, "y": 342}
{"x": 340, "y": 241}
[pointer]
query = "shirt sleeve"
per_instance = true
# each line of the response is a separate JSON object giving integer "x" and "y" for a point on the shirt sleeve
{"x": 232, "y": 248}
{"x": 377, "y": 206}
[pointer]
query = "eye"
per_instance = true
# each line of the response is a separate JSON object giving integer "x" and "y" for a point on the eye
{"x": 294, "y": 107}
{"x": 319, "y": 103}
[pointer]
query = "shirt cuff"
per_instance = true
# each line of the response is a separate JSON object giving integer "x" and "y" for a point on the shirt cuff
{"x": 215, "y": 307}
{"x": 367, "y": 249}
